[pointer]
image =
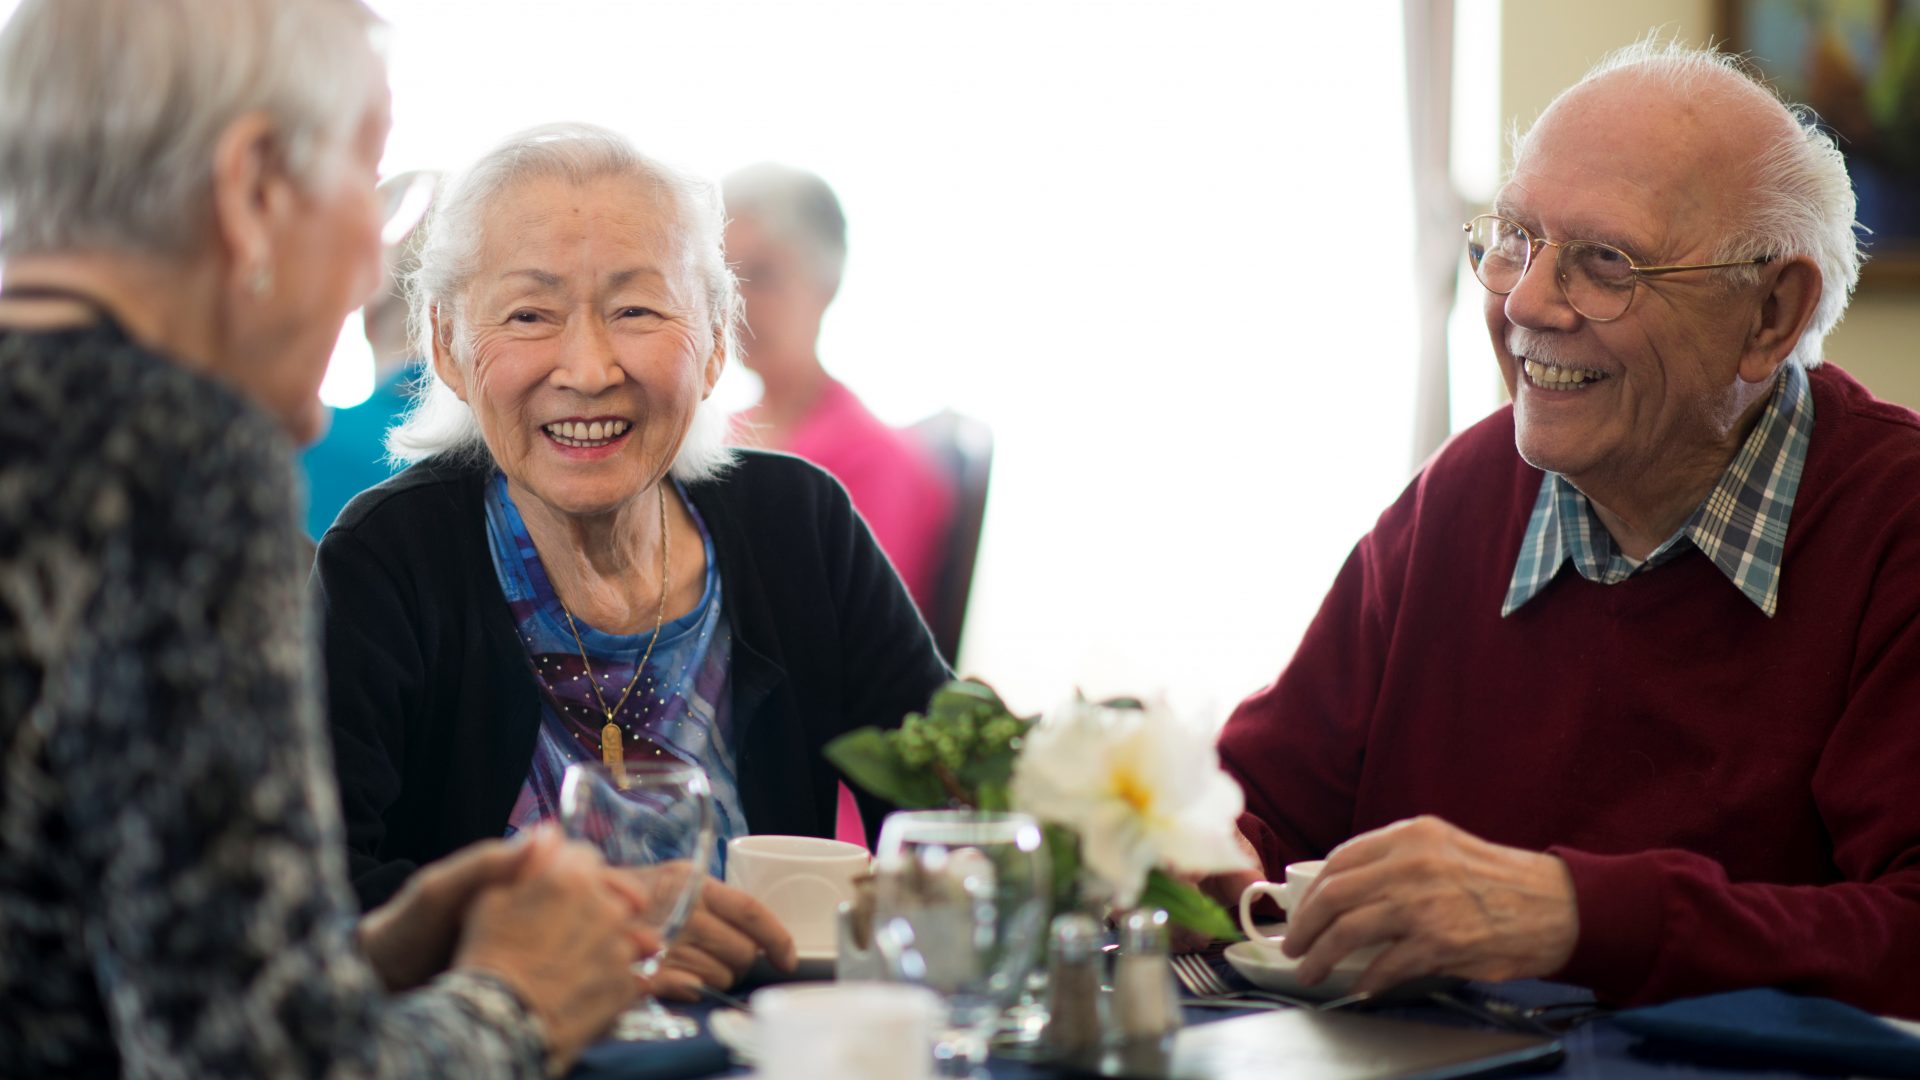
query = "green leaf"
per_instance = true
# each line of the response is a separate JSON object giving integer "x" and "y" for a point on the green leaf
{"x": 1188, "y": 906}
{"x": 992, "y": 797}
{"x": 867, "y": 758}
{"x": 988, "y": 770}
{"x": 966, "y": 693}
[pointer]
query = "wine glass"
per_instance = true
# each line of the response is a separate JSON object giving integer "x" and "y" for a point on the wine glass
{"x": 960, "y": 906}
{"x": 655, "y": 818}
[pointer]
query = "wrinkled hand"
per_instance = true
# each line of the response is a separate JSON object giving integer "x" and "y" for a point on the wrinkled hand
{"x": 1225, "y": 888}
{"x": 727, "y": 931}
{"x": 564, "y": 936}
{"x": 1442, "y": 901}
{"x": 410, "y": 938}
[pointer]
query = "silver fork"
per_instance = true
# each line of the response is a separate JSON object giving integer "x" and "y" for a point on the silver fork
{"x": 1198, "y": 976}
{"x": 1201, "y": 980}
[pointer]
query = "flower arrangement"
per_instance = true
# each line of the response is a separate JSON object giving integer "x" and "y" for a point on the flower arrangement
{"x": 1127, "y": 794}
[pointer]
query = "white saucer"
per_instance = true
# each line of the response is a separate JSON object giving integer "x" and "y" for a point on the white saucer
{"x": 1266, "y": 967}
{"x": 734, "y": 1030}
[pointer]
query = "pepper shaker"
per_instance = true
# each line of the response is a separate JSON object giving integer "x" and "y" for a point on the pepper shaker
{"x": 1075, "y": 1023}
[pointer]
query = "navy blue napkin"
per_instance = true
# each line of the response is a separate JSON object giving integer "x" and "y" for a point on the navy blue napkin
{"x": 1751, "y": 1024}
{"x": 668, "y": 1060}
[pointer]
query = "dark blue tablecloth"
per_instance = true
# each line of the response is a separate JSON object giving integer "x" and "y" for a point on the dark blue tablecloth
{"x": 1599, "y": 1050}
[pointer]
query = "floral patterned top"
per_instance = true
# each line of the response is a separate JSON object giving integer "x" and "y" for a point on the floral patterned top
{"x": 173, "y": 890}
{"x": 684, "y": 705}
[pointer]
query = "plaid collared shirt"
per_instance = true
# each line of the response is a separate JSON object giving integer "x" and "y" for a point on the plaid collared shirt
{"x": 1742, "y": 525}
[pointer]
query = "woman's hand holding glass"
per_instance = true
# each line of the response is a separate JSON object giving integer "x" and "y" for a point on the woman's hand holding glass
{"x": 726, "y": 933}
{"x": 653, "y": 819}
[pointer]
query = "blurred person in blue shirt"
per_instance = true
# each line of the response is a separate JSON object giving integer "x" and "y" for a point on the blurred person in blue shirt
{"x": 353, "y": 455}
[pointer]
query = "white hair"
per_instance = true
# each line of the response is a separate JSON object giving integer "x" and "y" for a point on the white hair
{"x": 796, "y": 206}
{"x": 110, "y": 111}
{"x": 439, "y": 422}
{"x": 1802, "y": 201}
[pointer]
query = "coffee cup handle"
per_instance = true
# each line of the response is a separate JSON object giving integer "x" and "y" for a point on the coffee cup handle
{"x": 1252, "y": 893}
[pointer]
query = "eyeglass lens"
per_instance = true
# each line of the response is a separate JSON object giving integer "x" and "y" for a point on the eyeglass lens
{"x": 1596, "y": 279}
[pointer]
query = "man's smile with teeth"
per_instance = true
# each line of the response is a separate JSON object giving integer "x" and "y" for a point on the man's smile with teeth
{"x": 1552, "y": 377}
{"x": 581, "y": 433}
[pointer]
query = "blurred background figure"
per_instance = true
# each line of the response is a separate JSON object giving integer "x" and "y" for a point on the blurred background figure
{"x": 352, "y": 456}
{"x": 787, "y": 241}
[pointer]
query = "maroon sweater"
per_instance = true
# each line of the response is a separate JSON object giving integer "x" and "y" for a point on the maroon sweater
{"x": 1737, "y": 797}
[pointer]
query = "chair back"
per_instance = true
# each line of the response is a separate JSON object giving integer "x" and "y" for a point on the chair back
{"x": 963, "y": 449}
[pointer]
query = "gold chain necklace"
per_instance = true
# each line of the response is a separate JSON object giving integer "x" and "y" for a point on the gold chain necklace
{"x": 612, "y": 752}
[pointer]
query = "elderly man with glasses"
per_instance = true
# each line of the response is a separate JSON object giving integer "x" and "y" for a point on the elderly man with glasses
{"x": 1625, "y": 689}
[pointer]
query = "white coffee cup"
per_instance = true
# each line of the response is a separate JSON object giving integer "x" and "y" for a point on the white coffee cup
{"x": 1300, "y": 879}
{"x": 801, "y": 879}
{"x": 855, "y": 1030}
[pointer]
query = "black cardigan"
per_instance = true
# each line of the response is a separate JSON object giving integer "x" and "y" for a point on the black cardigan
{"x": 434, "y": 704}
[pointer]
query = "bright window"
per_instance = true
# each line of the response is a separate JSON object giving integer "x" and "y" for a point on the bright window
{"x": 1161, "y": 248}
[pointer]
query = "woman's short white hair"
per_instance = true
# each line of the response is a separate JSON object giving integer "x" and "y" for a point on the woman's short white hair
{"x": 439, "y": 422}
{"x": 1803, "y": 201}
{"x": 110, "y": 111}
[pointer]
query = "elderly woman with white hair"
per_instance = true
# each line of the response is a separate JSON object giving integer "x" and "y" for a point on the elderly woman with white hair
{"x": 187, "y": 188}
{"x": 577, "y": 568}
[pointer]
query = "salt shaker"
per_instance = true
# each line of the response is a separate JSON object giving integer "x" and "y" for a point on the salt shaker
{"x": 1143, "y": 989}
{"x": 1074, "y": 997}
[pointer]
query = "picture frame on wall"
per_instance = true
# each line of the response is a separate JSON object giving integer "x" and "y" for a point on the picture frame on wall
{"x": 1856, "y": 63}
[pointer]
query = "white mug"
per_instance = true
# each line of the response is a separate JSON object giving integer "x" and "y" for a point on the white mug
{"x": 1300, "y": 879}
{"x": 801, "y": 879}
{"x": 850, "y": 1030}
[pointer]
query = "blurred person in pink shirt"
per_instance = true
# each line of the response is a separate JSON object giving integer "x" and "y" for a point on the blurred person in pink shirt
{"x": 787, "y": 241}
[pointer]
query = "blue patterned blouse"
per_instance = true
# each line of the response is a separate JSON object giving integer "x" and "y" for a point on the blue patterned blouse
{"x": 680, "y": 709}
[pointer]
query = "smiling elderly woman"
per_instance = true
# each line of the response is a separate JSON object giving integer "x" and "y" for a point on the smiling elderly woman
{"x": 576, "y": 568}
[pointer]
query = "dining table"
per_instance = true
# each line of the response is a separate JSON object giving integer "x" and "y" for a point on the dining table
{"x": 1599, "y": 1047}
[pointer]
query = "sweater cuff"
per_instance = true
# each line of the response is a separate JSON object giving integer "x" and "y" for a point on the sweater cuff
{"x": 1622, "y": 921}
{"x": 490, "y": 1000}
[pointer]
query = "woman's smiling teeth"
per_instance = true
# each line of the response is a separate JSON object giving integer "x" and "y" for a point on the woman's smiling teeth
{"x": 1550, "y": 377}
{"x": 581, "y": 433}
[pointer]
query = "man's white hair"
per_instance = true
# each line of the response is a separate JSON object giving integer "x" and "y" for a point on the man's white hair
{"x": 1802, "y": 200}
{"x": 110, "y": 111}
{"x": 439, "y": 422}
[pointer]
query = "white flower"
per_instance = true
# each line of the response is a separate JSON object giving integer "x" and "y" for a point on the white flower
{"x": 1140, "y": 788}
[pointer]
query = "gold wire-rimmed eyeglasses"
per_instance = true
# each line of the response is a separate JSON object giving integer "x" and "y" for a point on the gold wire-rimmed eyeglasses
{"x": 1598, "y": 280}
